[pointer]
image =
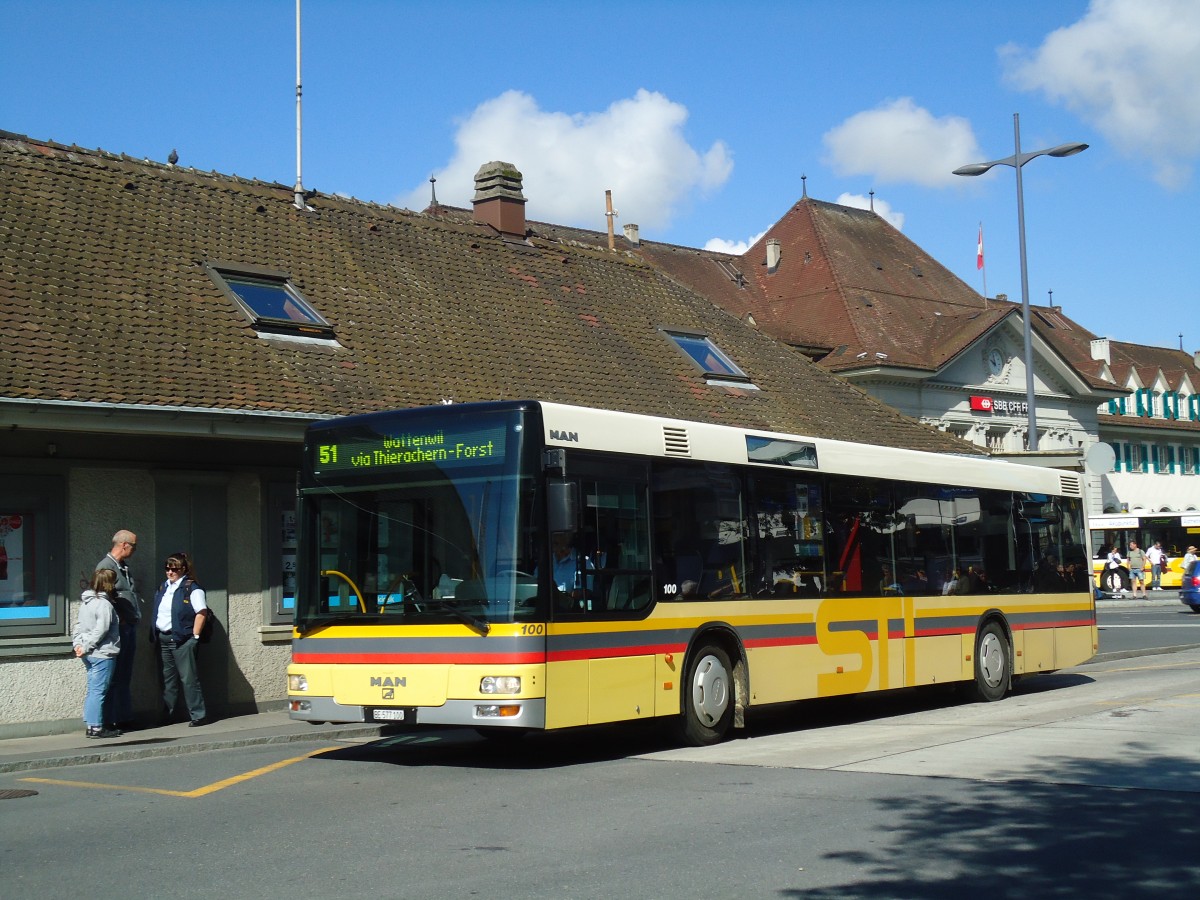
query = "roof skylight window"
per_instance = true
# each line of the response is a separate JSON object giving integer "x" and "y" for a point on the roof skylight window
{"x": 718, "y": 368}
{"x": 269, "y": 300}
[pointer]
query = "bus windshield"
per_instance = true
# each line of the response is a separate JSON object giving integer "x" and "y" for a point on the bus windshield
{"x": 413, "y": 530}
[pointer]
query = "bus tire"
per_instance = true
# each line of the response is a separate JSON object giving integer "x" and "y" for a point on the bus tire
{"x": 708, "y": 697}
{"x": 993, "y": 663}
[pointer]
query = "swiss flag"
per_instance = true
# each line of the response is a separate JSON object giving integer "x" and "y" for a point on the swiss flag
{"x": 979, "y": 251}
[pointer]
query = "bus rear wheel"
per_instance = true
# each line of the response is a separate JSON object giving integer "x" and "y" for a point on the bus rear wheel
{"x": 708, "y": 697}
{"x": 993, "y": 663}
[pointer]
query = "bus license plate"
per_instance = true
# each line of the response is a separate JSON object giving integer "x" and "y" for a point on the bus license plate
{"x": 389, "y": 715}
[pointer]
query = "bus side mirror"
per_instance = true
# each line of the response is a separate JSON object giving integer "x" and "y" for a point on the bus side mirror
{"x": 563, "y": 506}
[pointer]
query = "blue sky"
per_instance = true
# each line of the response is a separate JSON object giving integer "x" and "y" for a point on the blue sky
{"x": 700, "y": 117}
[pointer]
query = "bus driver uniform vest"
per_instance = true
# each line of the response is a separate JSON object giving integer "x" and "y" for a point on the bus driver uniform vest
{"x": 183, "y": 614}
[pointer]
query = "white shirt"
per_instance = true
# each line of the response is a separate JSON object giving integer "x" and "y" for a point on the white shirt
{"x": 162, "y": 619}
{"x": 1155, "y": 555}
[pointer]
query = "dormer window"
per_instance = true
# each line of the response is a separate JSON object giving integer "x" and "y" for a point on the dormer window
{"x": 719, "y": 370}
{"x": 269, "y": 299}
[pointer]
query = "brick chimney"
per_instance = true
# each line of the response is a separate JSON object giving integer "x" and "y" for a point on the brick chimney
{"x": 498, "y": 199}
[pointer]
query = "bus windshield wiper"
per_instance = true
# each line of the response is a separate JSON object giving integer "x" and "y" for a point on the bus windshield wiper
{"x": 478, "y": 624}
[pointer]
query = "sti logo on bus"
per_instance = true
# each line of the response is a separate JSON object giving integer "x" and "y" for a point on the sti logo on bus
{"x": 572, "y": 436}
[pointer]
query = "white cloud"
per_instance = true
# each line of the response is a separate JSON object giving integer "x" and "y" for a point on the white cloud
{"x": 882, "y": 208}
{"x": 635, "y": 148}
{"x": 734, "y": 248}
{"x": 1129, "y": 68}
{"x": 900, "y": 142}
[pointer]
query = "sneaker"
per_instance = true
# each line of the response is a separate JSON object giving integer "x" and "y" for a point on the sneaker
{"x": 99, "y": 731}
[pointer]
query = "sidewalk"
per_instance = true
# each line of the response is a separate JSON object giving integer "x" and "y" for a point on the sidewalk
{"x": 53, "y": 750}
{"x": 1165, "y": 597}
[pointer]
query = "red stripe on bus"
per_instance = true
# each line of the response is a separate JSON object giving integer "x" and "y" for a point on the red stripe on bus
{"x": 754, "y": 643}
{"x": 416, "y": 659}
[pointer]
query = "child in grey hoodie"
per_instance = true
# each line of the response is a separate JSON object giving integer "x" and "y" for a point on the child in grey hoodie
{"x": 97, "y": 641}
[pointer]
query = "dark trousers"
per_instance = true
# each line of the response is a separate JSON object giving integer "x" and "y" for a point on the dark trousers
{"x": 179, "y": 667}
{"x": 119, "y": 707}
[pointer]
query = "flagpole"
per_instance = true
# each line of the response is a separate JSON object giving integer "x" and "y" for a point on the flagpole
{"x": 982, "y": 266}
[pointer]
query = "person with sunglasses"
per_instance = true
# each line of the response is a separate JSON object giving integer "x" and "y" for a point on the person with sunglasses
{"x": 180, "y": 611}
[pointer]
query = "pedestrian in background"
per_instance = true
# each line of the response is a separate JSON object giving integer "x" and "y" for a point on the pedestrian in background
{"x": 180, "y": 611}
{"x": 1158, "y": 564}
{"x": 1137, "y": 568}
{"x": 96, "y": 640}
{"x": 128, "y": 606}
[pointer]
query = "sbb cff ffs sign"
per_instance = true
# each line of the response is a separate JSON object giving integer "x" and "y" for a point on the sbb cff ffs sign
{"x": 981, "y": 404}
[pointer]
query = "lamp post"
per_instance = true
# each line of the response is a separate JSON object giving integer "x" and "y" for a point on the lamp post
{"x": 1017, "y": 160}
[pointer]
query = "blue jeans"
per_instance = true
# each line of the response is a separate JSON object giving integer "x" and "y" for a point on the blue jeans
{"x": 1155, "y": 574}
{"x": 99, "y": 675}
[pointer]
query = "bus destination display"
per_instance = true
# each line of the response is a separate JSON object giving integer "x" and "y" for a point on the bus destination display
{"x": 445, "y": 448}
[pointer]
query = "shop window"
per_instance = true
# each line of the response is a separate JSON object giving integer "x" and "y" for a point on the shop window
{"x": 33, "y": 598}
{"x": 280, "y": 543}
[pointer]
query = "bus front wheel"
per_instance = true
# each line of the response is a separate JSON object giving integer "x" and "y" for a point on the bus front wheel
{"x": 708, "y": 697}
{"x": 993, "y": 663}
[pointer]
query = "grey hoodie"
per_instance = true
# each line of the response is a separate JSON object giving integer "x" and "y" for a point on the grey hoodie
{"x": 98, "y": 630}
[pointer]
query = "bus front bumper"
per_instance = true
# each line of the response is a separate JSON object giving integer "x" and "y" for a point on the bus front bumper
{"x": 483, "y": 713}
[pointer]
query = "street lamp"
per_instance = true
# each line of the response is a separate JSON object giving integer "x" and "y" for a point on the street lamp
{"x": 1017, "y": 160}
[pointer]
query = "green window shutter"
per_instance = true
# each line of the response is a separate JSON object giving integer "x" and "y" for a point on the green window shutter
{"x": 1146, "y": 458}
{"x": 1170, "y": 460}
{"x": 1140, "y": 401}
{"x": 1127, "y": 452}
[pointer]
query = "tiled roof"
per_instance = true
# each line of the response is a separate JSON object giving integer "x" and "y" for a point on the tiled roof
{"x": 849, "y": 283}
{"x": 105, "y": 301}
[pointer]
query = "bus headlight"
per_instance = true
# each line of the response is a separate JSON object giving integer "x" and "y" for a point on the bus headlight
{"x": 297, "y": 683}
{"x": 500, "y": 684}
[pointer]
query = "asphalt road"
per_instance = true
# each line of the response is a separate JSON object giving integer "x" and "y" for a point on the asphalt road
{"x": 1081, "y": 784}
{"x": 1138, "y": 629}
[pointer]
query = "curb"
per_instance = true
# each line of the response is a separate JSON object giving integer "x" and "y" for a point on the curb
{"x": 130, "y": 751}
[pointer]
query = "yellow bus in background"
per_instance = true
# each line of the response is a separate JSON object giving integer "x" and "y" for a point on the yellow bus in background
{"x": 513, "y": 566}
{"x": 1175, "y": 530}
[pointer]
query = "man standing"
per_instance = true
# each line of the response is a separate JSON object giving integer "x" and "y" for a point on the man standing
{"x": 1158, "y": 562}
{"x": 128, "y": 606}
{"x": 1137, "y": 568}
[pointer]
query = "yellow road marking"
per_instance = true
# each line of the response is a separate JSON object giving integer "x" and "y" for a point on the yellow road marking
{"x": 198, "y": 792}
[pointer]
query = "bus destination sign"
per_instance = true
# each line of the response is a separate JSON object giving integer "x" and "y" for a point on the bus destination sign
{"x": 441, "y": 447}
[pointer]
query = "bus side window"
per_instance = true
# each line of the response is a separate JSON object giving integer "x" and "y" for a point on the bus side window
{"x": 789, "y": 538}
{"x": 700, "y": 532}
{"x": 861, "y": 526}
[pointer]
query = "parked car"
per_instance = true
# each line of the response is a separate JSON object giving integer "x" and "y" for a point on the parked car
{"x": 1189, "y": 589}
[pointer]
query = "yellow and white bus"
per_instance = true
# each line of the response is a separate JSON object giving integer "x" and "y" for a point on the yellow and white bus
{"x": 528, "y": 565}
{"x": 1176, "y": 531}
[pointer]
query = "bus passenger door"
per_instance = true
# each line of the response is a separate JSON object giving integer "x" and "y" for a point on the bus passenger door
{"x": 600, "y": 579}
